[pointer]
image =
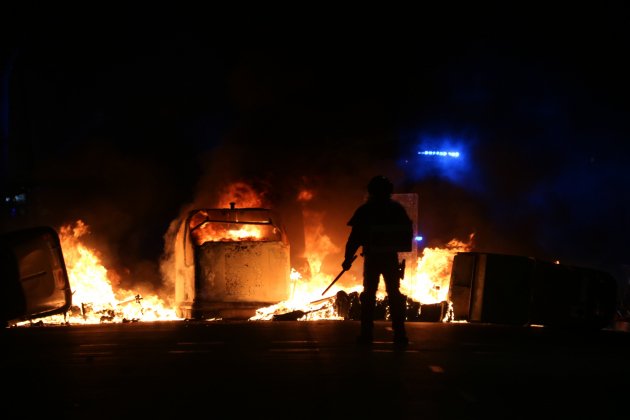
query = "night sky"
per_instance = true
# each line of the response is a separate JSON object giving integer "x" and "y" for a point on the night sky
{"x": 124, "y": 121}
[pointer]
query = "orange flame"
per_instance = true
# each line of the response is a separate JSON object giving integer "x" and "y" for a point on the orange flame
{"x": 95, "y": 301}
{"x": 428, "y": 283}
{"x": 93, "y": 298}
{"x": 431, "y": 279}
{"x": 242, "y": 194}
{"x": 305, "y": 195}
{"x": 212, "y": 232}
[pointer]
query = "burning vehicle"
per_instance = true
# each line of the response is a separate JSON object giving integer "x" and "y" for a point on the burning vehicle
{"x": 229, "y": 262}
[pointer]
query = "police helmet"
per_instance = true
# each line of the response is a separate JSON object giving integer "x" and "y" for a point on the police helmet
{"x": 380, "y": 186}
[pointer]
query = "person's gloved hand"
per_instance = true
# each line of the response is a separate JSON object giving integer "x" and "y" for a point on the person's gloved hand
{"x": 347, "y": 263}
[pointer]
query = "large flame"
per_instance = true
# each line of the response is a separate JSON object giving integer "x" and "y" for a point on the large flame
{"x": 93, "y": 297}
{"x": 427, "y": 283}
{"x": 226, "y": 226}
{"x": 203, "y": 229}
{"x": 431, "y": 279}
{"x": 241, "y": 194}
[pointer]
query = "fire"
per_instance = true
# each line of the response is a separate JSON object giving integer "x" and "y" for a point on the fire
{"x": 93, "y": 297}
{"x": 305, "y": 195}
{"x": 205, "y": 231}
{"x": 242, "y": 194}
{"x": 229, "y": 224}
{"x": 306, "y": 292}
{"x": 428, "y": 283}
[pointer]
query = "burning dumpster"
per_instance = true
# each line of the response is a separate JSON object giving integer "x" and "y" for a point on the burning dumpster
{"x": 230, "y": 262}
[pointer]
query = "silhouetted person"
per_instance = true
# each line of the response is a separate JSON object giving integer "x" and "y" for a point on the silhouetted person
{"x": 382, "y": 227}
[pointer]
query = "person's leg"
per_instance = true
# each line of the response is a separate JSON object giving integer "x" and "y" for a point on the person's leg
{"x": 397, "y": 302}
{"x": 371, "y": 277}
{"x": 397, "y": 311}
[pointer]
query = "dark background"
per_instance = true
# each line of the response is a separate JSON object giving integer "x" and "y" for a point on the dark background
{"x": 126, "y": 118}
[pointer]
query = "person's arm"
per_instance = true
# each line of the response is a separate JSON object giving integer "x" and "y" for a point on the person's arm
{"x": 356, "y": 237}
{"x": 352, "y": 245}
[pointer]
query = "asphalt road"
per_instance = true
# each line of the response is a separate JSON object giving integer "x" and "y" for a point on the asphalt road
{"x": 297, "y": 370}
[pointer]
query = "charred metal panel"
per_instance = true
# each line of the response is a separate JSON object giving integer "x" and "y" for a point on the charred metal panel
{"x": 243, "y": 271}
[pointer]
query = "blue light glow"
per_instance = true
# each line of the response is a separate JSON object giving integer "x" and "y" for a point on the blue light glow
{"x": 418, "y": 238}
{"x": 439, "y": 153}
{"x": 444, "y": 156}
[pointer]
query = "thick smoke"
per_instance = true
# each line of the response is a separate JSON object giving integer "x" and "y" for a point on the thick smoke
{"x": 295, "y": 183}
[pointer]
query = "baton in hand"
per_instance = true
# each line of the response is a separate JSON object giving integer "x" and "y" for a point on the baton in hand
{"x": 337, "y": 278}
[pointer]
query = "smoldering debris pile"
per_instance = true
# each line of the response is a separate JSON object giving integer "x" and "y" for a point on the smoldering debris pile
{"x": 347, "y": 306}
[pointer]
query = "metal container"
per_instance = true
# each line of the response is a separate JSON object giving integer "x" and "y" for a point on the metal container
{"x": 34, "y": 281}
{"x": 521, "y": 290}
{"x": 230, "y": 262}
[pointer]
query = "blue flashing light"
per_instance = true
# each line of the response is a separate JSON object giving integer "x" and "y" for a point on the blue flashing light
{"x": 443, "y": 156}
{"x": 439, "y": 153}
{"x": 418, "y": 238}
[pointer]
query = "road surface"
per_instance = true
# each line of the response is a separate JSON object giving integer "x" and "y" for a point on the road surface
{"x": 313, "y": 369}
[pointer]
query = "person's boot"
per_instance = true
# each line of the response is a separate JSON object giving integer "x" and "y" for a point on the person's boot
{"x": 365, "y": 337}
{"x": 400, "y": 335}
{"x": 398, "y": 315}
